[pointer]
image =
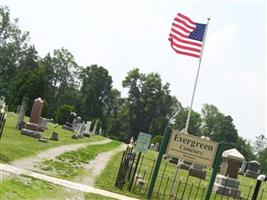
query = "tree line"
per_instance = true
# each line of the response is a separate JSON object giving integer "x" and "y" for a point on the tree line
{"x": 61, "y": 81}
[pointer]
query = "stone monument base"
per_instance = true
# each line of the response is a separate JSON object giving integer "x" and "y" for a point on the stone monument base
{"x": 32, "y": 126}
{"x": 31, "y": 133}
{"x": 197, "y": 171}
{"x": 251, "y": 174}
{"x": 227, "y": 186}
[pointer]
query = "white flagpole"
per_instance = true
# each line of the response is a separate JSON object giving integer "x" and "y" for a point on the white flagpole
{"x": 195, "y": 86}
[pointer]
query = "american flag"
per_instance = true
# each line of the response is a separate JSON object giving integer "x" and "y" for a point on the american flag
{"x": 186, "y": 36}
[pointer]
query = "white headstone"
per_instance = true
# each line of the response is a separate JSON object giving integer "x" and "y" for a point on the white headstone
{"x": 87, "y": 127}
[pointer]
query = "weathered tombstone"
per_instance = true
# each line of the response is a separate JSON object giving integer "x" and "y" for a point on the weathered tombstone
{"x": 253, "y": 169}
{"x": 243, "y": 168}
{"x": 43, "y": 124}
{"x": 156, "y": 147}
{"x": 3, "y": 109}
{"x": 22, "y": 111}
{"x": 95, "y": 126}
{"x": 86, "y": 132}
{"x": 197, "y": 170}
{"x": 100, "y": 132}
{"x": 131, "y": 143}
{"x": 44, "y": 140}
{"x": 174, "y": 160}
{"x": 54, "y": 136}
{"x": 226, "y": 182}
{"x": 36, "y": 112}
{"x": 78, "y": 132}
{"x": 32, "y": 127}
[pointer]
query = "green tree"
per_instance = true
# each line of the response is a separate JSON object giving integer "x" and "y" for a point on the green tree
{"x": 262, "y": 158}
{"x": 63, "y": 113}
{"x": 194, "y": 127}
{"x": 260, "y": 144}
{"x": 245, "y": 148}
{"x": 64, "y": 76}
{"x": 13, "y": 45}
{"x": 28, "y": 80}
{"x": 217, "y": 126}
{"x": 95, "y": 92}
{"x": 148, "y": 100}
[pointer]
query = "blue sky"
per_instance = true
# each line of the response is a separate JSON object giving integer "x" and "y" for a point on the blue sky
{"x": 122, "y": 34}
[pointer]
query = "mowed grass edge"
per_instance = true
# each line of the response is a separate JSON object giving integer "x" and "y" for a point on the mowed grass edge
{"x": 32, "y": 189}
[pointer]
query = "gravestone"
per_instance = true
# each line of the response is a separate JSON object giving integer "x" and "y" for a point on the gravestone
{"x": 54, "y": 136}
{"x": 226, "y": 182}
{"x": 100, "y": 132}
{"x": 243, "y": 168}
{"x": 3, "y": 115}
{"x": 22, "y": 111}
{"x": 86, "y": 132}
{"x": 78, "y": 131}
{"x": 43, "y": 124}
{"x": 36, "y": 112}
{"x": 253, "y": 169}
{"x": 95, "y": 126}
{"x": 156, "y": 147}
{"x": 44, "y": 140}
{"x": 197, "y": 170}
{"x": 131, "y": 143}
{"x": 174, "y": 160}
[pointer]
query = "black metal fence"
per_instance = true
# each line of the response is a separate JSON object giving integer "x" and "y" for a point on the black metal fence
{"x": 172, "y": 182}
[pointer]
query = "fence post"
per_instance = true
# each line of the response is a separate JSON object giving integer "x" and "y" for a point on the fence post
{"x": 260, "y": 179}
{"x": 215, "y": 169}
{"x": 162, "y": 150}
{"x": 136, "y": 166}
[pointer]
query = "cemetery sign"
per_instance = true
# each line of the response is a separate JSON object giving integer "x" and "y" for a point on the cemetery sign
{"x": 143, "y": 142}
{"x": 192, "y": 148}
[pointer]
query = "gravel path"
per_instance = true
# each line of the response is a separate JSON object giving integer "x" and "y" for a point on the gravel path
{"x": 96, "y": 166}
{"x": 30, "y": 163}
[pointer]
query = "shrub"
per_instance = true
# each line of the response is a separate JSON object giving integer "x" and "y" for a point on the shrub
{"x": 63, "y": 113}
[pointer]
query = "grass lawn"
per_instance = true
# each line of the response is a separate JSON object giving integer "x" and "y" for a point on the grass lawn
{"x": 107, "y": 180}
{"x": 26, "y": 188}
{"x": 13, "y": 145}
{"x": 68, "y": 165}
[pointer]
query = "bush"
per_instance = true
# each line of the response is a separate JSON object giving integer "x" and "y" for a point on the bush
{"x": 63, "y": 113}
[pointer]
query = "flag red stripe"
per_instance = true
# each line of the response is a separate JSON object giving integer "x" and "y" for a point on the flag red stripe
{"x": 185, "y": 41}
{"x": 186, "y": 53}
{"x": 186, "y": 18}
{"x": 178, "y": 33}
{"x": 180, "y": 27}
{"x": 184, "y": 47}
{"x": 183, "y": 22}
